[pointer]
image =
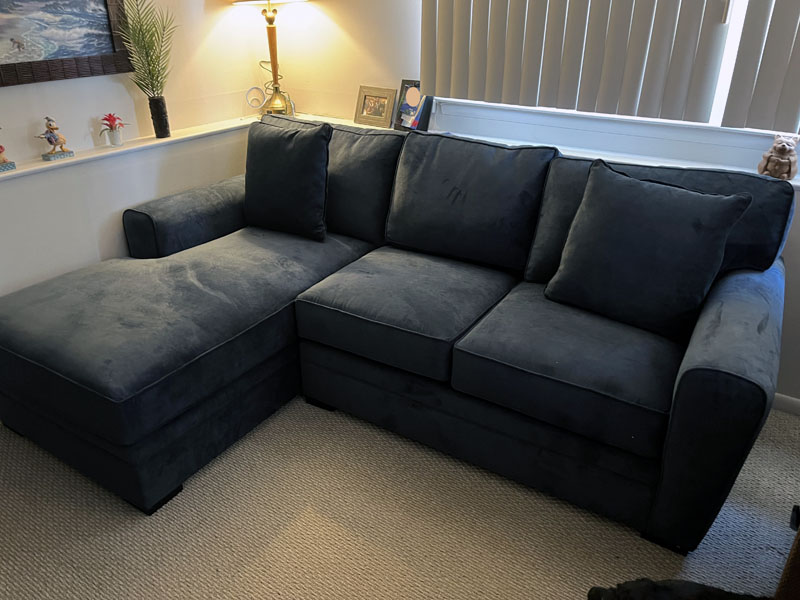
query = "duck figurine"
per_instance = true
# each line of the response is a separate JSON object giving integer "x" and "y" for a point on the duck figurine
{"x": 56, "y": 140}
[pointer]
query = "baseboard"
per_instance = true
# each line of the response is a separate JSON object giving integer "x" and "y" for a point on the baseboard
{"x": 787, "y": 404}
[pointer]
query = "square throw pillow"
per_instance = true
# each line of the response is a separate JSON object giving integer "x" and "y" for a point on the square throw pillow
{"x": 286, "y": 179}
{"x": 644, "y": 253}
{"x": 361, "y": 169}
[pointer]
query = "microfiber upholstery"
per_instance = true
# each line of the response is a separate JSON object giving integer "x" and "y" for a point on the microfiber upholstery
{"x": 400, "y": 308}
{"x": 120, "y": 348}
{"x": 427, "y": 405}
{"x": 168, "y": 225}
{"x": 467, "y": 199}
{"x": 148, "y": 471}
{"x": 644, "y": 253}
{"x": 755, "y": 242}
{"x": 723, "y": 395}
{"x": 286, "y": 179}
{"x": 361, "y": 169}
{"x": 584, "y": 373}
{"x": 595, "y": 476}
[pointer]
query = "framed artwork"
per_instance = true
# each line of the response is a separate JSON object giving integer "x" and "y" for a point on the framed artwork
{"x": 375, "y": 106}
{"x": 408, "y": 103}
{"x": 48, "y": 40}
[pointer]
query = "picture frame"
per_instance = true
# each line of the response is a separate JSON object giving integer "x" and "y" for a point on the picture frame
{"x": 375, "y": 106}
{"x": 406, "y": 108}
{"x": 109, "y": 63}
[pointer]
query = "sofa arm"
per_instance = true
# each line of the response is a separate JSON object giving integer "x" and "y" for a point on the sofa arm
{"x": 169, "y": 225}
{"x": 723, "y": 393}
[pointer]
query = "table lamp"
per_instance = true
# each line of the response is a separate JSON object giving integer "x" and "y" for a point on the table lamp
{"x": 278, "y": 102}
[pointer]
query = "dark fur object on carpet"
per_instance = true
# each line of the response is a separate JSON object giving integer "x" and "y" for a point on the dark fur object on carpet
{"x": 645, "y": 589}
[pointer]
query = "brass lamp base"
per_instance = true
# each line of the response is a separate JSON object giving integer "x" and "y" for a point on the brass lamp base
{"x": 279, "y": 103}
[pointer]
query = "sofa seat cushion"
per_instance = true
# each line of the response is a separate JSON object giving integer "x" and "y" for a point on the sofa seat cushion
{"x": 605, "y": 380}
{"x": 120, "y": 348}
{"x": 400, "y": 308}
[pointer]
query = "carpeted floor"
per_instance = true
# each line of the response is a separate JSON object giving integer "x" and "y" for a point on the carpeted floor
{"x": 315, "y": 505}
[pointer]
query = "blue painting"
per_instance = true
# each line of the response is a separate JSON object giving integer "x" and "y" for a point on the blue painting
{"x": 33, "y": 30}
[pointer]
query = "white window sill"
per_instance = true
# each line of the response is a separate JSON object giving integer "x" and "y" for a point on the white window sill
{"x": 615, "y": 138}
{"x": 37, "y": 165}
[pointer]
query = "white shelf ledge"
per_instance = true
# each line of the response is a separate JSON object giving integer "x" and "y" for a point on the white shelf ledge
{"x": 37, "y": 165}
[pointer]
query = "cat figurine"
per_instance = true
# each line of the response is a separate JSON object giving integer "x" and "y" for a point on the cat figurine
{"x": 780, "y": 161}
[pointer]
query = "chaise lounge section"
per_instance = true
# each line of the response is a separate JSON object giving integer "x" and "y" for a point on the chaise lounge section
{"x": 425, "y": 309}
{"x": 140, "y": 371}
{"x": 144, "y": 370}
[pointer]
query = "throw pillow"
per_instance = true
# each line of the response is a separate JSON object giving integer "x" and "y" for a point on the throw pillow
{"x": 286, "y": 179}
{"x": 644, "y": 253}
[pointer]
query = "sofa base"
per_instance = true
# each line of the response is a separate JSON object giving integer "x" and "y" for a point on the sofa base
{"x": 414, "y": 407}
{"x": 150, "y": 473}
{"x": 154, "y": 509}
{"x": 12, "y": 430}
{"x": 319, "y": 404}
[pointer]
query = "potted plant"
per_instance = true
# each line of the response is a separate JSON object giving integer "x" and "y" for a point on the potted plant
{"x": 112, "y": 126}
{"x": 147, "y": 31}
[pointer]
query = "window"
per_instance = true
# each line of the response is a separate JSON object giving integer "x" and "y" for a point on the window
{"x": 725, "y": 62}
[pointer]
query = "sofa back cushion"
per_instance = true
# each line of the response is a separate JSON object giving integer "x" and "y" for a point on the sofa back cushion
{"x": 754, "y": 242}
{"x": 467, "y": 199}
{"x": 361, "y": 167}
{"x": 286, "y": 179}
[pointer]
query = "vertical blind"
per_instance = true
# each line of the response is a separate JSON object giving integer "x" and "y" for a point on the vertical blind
{"x": 654, "y": 58}
{"x": 765, "y": 89}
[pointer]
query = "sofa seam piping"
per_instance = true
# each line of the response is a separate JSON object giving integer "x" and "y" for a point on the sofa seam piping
{"x": 160, "y": 379}
{"x": 557, "y": 380}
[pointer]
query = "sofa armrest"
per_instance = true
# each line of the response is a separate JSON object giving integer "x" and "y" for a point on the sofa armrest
{"x": 168, "y": 225}
{"x": 723, "y": 394}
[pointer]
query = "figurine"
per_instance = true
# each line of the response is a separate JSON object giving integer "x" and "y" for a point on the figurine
{"x": 780, "y": 161}
{"x": 56, "y": 140}
{"x": 5, "y": 164}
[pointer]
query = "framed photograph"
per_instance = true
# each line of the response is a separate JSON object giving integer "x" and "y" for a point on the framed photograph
{"x": 48, "y": 41}
{"x": 375, "y": 106}
{"x": 408, "y": 103}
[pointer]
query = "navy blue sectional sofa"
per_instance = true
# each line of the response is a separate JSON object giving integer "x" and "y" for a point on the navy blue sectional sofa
{"x": 422, "y": 304}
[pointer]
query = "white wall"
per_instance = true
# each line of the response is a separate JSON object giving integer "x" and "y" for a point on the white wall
{"x": 327, "y": 49}
{"x": 212, "y": 66}
{"x": 66, "y": 218}
{"x": 330, "y": 47}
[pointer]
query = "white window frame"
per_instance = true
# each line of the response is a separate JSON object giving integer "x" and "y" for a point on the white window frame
{"x": 612, "y": 137}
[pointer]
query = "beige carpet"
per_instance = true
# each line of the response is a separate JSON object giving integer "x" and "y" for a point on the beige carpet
{"x": 319, "y": 505}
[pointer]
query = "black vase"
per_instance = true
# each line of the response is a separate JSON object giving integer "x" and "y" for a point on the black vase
{"x": 158, "y": 111}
